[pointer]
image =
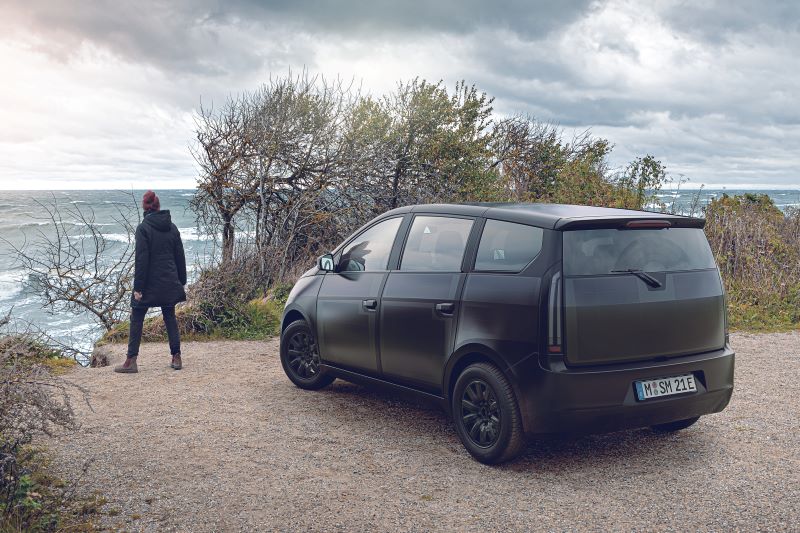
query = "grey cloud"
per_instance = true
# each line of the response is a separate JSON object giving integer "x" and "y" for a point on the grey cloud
{"x": 718, "y": 21}
{"x": 378, "y": 17}
{"x": 190, "y": 36}
{"x": 729, "y": 118}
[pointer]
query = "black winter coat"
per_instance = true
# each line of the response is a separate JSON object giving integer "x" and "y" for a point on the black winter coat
{"x": 160, "y": 272}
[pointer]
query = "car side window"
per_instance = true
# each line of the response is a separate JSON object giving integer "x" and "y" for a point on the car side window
{"x": 436, "y": 244}
{"x": 370, "y": 250}
{"x": 507, "y": 247}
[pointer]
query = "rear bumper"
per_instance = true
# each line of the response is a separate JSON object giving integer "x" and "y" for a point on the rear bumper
{"x": 599, "y": 399}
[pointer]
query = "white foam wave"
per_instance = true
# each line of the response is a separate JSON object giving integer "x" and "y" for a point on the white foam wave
{"x": 11, "y": 284}
{"x": 33, "y": 224}
{"x": 191, "y": 234}
{"x": 82, "y": 224}
{"x": 118, "y": 237}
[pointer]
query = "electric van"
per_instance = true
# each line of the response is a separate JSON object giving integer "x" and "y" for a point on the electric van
{"x": 521, "y": 319}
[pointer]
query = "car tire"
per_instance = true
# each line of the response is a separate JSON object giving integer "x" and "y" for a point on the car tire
{"x": 486, "y": 414}
{"x": 678, "y": 425}
{"x": 300, "y": 357}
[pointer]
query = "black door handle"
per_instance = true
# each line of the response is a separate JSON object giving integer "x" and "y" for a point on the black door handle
{"x": 370, "y": 305}
{"x": 445, "y": 309}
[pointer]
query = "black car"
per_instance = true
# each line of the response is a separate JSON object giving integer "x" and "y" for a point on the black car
{"x": 521, "y": 319}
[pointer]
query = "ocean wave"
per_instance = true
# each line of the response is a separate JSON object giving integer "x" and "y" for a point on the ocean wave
{"x": 84, "y": 224}
{"x": 11, "y": 284}
{"x": 119, "y": 237}
{"x": 32, "y": 224}
{"x": 191, "y": 234}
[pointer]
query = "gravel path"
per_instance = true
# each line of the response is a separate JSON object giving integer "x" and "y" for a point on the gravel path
{"x": 229, "y": 443}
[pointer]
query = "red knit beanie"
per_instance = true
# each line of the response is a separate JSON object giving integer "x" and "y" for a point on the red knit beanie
{"x": 150, "y": 202}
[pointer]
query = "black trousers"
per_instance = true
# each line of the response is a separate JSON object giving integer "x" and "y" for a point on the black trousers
{"x": 137, "y": 321}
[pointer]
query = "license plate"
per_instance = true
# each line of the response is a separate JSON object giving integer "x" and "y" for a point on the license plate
{"x": 654, "y": 388}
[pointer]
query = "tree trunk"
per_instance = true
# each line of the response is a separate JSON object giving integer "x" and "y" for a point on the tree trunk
{"x": 227, "y": 238}
{"x": 395, "y": 186}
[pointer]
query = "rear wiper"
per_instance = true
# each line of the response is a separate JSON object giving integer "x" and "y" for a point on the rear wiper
{"x": 644, "y": 276}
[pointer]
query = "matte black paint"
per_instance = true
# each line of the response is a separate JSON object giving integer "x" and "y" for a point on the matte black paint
{"x": 407, "y": 344}
{"x": 416, "y": 338}
{"x": 618, "y": 317}
{"x": 347, "y": 328}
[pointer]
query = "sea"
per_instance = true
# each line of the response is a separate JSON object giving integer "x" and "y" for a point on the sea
{"x": 24, "y": 222}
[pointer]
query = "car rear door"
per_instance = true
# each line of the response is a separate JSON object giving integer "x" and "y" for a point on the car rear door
{"x": 420, "y": 301}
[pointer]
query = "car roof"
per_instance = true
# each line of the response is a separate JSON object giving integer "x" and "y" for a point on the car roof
{"x": 551, "y": 216}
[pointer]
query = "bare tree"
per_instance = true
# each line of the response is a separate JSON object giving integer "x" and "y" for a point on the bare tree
{"x": 273, "y": 162}
{"x": 223, "y": 151}
{"x": 70, "y": 267}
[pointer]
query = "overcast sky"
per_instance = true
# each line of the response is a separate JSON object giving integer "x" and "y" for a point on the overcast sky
{"x": 101, "y": 94}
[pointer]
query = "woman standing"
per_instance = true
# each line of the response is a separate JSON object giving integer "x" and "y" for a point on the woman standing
{"x": 160, "y": 274}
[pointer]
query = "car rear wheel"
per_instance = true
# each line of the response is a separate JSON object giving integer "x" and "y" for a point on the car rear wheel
{"x": 300, "y": 357}
{"x": 678, "y": 425}
{"x": 486, "y": 414}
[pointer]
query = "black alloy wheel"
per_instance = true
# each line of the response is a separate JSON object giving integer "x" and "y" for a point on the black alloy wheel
{"x": 303, "y": 355}
{"x": 300, "y": 357}
{"x": 486, "y": 415}
{"x": 480, "y": 413}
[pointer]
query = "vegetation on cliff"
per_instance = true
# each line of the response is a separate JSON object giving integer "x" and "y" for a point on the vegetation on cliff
{"x": 757, "y": 248}
{"x": 34, "y": 402}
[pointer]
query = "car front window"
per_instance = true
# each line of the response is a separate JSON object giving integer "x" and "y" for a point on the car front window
{"x": 370, "y": 250}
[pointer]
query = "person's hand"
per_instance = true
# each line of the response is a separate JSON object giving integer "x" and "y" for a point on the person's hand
{"x": 137, "y": 296}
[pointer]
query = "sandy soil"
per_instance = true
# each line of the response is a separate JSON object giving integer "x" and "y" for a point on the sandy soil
{"x": 229, "y": 443}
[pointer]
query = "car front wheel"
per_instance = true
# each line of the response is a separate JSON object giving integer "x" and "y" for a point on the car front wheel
{"x": 300, "y": 357}
{"x": 486, "y": 414}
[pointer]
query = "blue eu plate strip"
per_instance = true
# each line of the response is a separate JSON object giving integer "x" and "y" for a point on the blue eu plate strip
{"x": 639, "y": 390}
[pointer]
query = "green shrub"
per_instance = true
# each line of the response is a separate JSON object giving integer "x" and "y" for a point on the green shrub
{"x": 757, "y": 249}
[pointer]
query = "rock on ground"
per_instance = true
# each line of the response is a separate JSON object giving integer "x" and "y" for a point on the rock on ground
{"x": 228, "y": 443}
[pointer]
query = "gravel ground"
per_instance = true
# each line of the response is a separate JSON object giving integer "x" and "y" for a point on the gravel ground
{"x": 229, "y": 443}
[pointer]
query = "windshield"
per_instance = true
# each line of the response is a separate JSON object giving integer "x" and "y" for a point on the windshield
{"x": 602, "y": 251}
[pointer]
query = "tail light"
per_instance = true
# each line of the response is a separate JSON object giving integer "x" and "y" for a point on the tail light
{"x": 724, "y": 309}
{"x": 554, "y": 315}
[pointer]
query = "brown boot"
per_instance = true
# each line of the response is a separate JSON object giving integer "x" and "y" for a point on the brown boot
{"x": 176, "y": 362}
{"x": 128, "y": 367}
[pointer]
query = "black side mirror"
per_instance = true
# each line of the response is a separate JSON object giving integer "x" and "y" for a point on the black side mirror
{"x": 326, "y": 263}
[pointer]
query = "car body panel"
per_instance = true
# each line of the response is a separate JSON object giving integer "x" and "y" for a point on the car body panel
{"x": 415, "y": 338}
{"x": 346, "y": 329}
{"x": 617, "y": 317}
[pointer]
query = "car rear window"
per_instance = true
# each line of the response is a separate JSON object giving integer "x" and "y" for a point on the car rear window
{"x": 599, "y": 251}
{"x": 507, "y": 247}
